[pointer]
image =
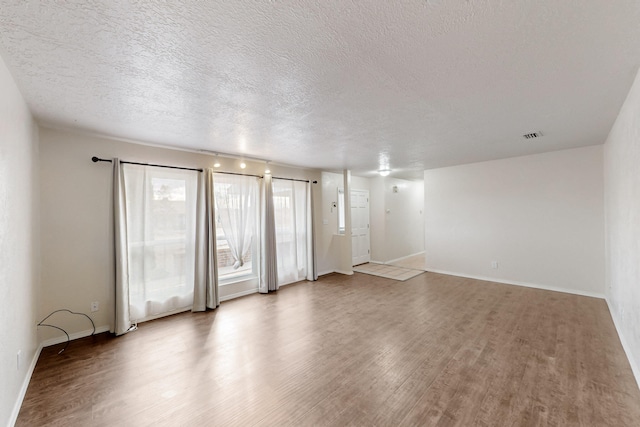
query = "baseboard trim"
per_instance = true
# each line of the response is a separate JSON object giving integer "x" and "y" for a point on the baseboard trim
{"x": 347, "y": 273}
{"x": 25, "y": 385}
{"x": 324, "y": 273}
{"x": 74, "y": 336}
{"x": 404, "y": 257}
{"x": 295, "y": 282}
{"x": 625, "y": 345}
{"x": 523, "y": 284}
{"x": 239, "y": 294}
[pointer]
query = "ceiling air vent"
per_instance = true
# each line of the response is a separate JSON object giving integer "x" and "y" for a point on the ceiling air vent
{"x": 532, "y": 135}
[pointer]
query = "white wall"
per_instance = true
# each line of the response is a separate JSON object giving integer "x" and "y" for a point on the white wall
{"x": 397, "y": 220}
{"x": 396, "y": 234}
{"x": 76, "y": 219}
{"x": 541, "y": 217}
{"x": 19, "y": 247}
{"x": 330, "y": 245}
{"x": 622, "y": 208}
{"x": 360, "y": 183}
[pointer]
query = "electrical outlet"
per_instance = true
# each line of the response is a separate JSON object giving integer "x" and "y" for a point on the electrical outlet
{"x": 95, "y": 306}
{"x": 19, "y": 360}
{"x": 494, "y": 264}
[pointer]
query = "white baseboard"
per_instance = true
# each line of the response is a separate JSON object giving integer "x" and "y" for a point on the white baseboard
{"x": 625, "y": 345}
{"x": 239, "y": 294}
{"x": 74, "y": 336}
{"x": 25, "y": 386}
{"x": 161, "y": 315}
{"x": 348, "y": 273}
{"x": 524, "y": 284}
{"x": 324, "y": 273}
{"x": 295, "y": 281}
{"x": 404, "y": 257}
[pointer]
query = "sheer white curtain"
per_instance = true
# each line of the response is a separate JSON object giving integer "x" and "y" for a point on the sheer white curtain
{"x": 291, "y": 212}
{"x": 161, "y": 231}
{"x": 236, "y": 204}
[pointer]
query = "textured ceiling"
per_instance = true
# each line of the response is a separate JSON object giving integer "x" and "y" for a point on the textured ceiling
{"x": 329, "y": 84}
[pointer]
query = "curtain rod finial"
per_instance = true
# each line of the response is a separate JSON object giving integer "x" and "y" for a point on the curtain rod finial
{"x": 94, "y": 159}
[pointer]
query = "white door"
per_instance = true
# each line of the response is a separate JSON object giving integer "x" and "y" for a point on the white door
{"x": 360, "y": 226}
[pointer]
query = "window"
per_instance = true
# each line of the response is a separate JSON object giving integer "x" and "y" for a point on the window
{"x": 236, "y": 199}
{"x": 161, "y": 217}
{"x": 341, "y": 219}
{"x": 290, "y": 203}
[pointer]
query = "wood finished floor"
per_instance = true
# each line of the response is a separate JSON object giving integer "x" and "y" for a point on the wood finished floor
{"x": 351, "y": 350}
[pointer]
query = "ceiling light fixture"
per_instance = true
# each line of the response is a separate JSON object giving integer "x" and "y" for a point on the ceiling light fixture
{"x": 384, "y": 172}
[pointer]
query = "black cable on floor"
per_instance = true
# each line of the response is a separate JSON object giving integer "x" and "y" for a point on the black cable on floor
{"x": 65, "y": 332}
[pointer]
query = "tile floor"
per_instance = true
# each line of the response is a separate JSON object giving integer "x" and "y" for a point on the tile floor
{"x": 416, "y": 262}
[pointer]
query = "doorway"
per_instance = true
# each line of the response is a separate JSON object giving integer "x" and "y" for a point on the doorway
{"x": 360, "y": 238}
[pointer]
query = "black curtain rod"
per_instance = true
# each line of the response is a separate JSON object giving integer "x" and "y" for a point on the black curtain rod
{"x": 240, "y": 174}
{"x": 97, "y": 159}
{"x": 294, "y": 179}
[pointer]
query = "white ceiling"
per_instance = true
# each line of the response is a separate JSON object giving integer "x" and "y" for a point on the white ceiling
{"x": 332, "y": 84}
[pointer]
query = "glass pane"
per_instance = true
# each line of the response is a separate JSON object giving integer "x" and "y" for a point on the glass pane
{"x": 341, "y": 220}
{"x": 161, "y": 239}
{"x": 290, "y": 216}
{"x": 236, "y": 214}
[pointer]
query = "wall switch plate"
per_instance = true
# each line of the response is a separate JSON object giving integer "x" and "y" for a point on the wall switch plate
{"x": 95, "y": 306}
{"x": 494, "y": 264}
{"x": 19, "y": 360}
